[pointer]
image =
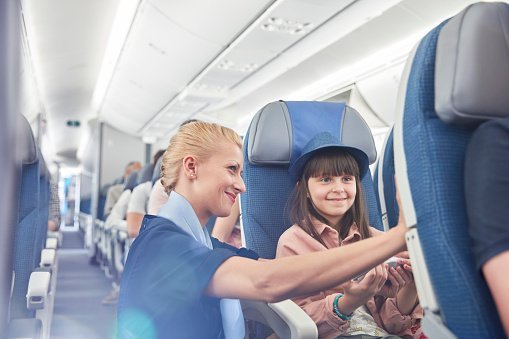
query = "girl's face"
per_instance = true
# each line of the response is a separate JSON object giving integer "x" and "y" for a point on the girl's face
{"x": 332, "y": 196}
{"x": 219, "y": 180}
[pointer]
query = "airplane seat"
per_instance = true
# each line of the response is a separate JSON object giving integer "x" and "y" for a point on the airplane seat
{"x": 145, "y": 174}
{"x": 385, "y": 188}
{"x": 117, "y": 234}
{"x": 455, "y": 79}
{"x": 28, "y": 213}
{"x": 30, "y": 287}
{"x": 156, "y": 174}
{"x": 103, "y": 193}
{"x": 131, "y": 181}
{"x": 277, "y": 134}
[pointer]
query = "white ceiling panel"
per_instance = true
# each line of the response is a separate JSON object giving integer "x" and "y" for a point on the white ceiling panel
{"x": 66, "y": 52}
{"x": 154, "y": 65}
{"x": 217, "y": 21}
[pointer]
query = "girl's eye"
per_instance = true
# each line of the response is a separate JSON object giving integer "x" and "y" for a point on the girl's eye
{"x": 325, "y": 179}
{"x": 347, "y": 178}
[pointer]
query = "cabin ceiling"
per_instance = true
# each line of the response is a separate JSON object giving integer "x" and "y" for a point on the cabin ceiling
{"x": 215, "y": 60}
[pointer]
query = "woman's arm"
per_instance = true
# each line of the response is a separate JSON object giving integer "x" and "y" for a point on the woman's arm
{"x": 288, "y": 277}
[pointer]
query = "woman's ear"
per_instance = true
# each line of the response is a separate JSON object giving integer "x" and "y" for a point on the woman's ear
{"x": 189, "y": 166}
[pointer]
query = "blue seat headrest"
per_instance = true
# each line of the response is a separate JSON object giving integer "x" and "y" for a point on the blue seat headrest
{"x": 157, "y": 170}
{"x": 28, "y": 146}
{"x": 131, "y": 181}
{"x": 472, "y": 65}
{"x": 281, "y": 131}
{"x": 145, "y": 174}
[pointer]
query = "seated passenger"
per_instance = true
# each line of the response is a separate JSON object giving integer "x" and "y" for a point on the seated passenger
{"x": 158, "y": 197}
{"x": 54, "y": 216}
{"x": 176, "y": 284}
{"x": 227, "y": 229}
{"x": 328, "y": 211}
{"x": 487, "y": 197}
{"x": 115, "y": 191}
{"x": 137, "y": 207}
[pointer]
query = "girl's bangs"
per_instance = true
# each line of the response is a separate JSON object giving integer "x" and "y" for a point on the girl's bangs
{"x": 331, "y": 162}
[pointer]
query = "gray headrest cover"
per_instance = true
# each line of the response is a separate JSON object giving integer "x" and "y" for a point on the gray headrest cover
{"x": 28, "y": 147}
{"x": 270, "y": 135}
{"x": 472, "y": 65}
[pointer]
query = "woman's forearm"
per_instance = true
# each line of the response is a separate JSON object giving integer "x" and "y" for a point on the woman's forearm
{"x": 292, "y": 276}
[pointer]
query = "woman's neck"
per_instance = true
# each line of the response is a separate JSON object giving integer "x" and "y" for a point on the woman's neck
{"x": 202, "y": 217}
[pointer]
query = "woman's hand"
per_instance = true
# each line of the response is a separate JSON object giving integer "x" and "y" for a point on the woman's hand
{"x": 357, "y": 293}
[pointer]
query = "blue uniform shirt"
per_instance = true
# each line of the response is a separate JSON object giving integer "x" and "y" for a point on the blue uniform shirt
{"x": 161, "y": 293}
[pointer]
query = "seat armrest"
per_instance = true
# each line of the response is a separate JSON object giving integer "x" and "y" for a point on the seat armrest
{"x": 38, "y": 287}
{"x": 47, "y": 257}
{"x": 52, "y": 243}
{"x": 285, "y": 318}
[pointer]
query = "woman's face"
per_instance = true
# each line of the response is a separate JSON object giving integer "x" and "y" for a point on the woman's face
{"x": 219, "y": 179}
{"x": 332, "y": 196}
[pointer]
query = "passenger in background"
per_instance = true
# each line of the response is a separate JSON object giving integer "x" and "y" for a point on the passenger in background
{"x": 117, "y": 220}
{"x": 115, "y": 191}
{"x": 487, "y": 201}
{"x": 175, "y": 284}
{"x": 227, "y": 229}
{"x": 54, "y": 217}
{"x": 158, "y": 197}
{"x": 137, "y": 206}
{"x": 328, "y": 210}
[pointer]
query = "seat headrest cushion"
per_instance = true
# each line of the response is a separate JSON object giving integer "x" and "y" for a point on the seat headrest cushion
{"x": 472, "y": 65}
{"x": 28, "y": 147}
{"x": 145, "y": 174}
{"x": 281, "y": 130}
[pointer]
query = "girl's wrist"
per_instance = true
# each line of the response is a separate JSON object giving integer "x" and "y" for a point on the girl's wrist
{"x": 347, "y": 305}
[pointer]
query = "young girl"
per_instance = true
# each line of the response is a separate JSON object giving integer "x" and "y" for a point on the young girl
{"x": 177, "y": 284}
{"x": 328, "y": 211}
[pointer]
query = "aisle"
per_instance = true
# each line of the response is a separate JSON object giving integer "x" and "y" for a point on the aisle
{"x": 78, "y": 312}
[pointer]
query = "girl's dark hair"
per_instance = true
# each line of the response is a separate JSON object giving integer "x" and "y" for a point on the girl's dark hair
{"x": 328, "y": 162}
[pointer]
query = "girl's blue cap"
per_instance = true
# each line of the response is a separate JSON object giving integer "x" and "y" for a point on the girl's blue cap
{"x": 320, "y": 142}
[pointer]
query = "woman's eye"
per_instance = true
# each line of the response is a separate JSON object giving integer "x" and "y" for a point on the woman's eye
{"x": 232, "y": 168}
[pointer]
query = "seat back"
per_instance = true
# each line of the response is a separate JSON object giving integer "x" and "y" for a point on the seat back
{"x": 145, "y": 174}
{"x": 385, "y": 188}
{"x": 28, "y": 208}
{"x": 131, "y": 181}
{"x": 461, "y": 68}
{"x": 277, "y": 134}
{"x": 156, "y": 174}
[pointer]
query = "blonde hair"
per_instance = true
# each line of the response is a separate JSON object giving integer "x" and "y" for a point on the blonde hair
{"x": 198, "y": 139}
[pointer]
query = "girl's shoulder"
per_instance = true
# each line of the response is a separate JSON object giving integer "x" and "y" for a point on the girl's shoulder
{"x": 294, "y": 231}
{"x": 296, "y": 241}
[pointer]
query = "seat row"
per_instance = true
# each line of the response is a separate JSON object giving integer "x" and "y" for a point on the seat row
{"x": 452, "y": 84}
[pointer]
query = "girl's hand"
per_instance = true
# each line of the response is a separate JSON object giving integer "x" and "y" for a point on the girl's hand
{"x": 399, "y": 278}
{"x": 357, "y": 293}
